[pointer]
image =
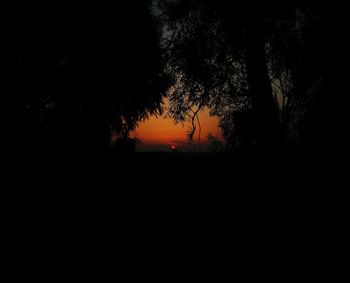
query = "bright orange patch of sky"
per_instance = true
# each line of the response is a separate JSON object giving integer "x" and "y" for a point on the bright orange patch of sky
{"x": 159, "y": 133}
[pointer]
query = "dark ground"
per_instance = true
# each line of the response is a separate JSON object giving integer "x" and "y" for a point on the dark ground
{"x": 172, "y": 196}
{"x": 176, "y": 177}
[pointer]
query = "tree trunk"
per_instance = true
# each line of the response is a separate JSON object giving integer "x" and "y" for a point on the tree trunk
{"x": 267, "y": 126}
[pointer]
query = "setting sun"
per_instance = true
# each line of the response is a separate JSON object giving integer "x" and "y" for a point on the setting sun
{"x": 157, "y": 133}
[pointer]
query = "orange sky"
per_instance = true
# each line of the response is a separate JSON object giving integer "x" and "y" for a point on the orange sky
{"x": 158, "y": 133}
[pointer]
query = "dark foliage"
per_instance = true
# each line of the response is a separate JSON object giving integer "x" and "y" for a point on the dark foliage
{"x": 78, "y": 77}
{"x": 274, "y": 72}
{"x": 72, "y": 75}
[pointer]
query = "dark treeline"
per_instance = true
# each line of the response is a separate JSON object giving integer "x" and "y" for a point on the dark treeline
{"x": 274, "y": 72}
{"x": 75, "y": 77}
{"x": 81, "y": 77}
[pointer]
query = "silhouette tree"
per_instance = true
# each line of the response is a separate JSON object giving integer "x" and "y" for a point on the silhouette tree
{"x": 216, "y": 56}
{"x": 307, "y": 55}
{"x": 79, "y": 75}
{"x": 261, "y": 67}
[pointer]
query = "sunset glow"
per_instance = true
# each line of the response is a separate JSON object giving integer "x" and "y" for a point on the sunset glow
{"x": 159, "y": 133}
